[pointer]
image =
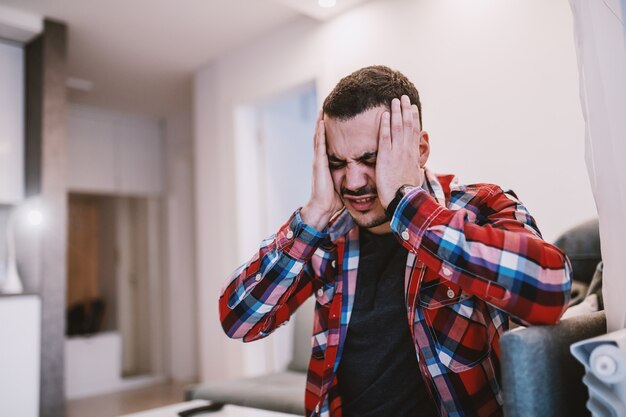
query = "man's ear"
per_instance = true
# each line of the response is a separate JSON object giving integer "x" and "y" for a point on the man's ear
{"x": 424, "y": 147}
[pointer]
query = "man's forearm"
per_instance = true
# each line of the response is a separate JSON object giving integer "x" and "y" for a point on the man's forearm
{"x": 255, "y": 291}
{"x": 499, "y": 258}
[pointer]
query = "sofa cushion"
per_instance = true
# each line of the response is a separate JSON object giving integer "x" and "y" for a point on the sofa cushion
{"x": 282, "y": 392}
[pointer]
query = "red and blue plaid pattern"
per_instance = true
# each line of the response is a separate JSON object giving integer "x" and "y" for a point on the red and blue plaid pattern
{"x": 475, "y": 259}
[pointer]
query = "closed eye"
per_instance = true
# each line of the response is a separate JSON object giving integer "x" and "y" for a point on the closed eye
{"x": 368, "y": 158}
{"x": 335, "y": 163}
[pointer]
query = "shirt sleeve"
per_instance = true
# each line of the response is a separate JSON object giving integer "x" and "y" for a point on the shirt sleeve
{"x": 487, "y": 243}
{"x": 263, "y": 293}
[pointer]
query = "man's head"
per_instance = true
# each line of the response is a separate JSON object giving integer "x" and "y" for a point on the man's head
{"x": 367, "y": 88}
{"x": 352, "y": 116}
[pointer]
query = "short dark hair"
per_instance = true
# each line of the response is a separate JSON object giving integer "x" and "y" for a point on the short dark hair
{"x": 367, "y": 88}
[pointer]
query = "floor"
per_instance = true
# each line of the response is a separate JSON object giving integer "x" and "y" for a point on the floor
{"x": 115, "y": 404}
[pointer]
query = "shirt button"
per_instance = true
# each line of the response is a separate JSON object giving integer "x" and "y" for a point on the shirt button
{"x": 320, "y": 292}
{"x": 447, "y": 271}
{"x": 450, "y": 293}
{"x": 333, "y": 263}
{"x": 405, "y": 235}
{"x": 257, "y": 278}
{"x": 289, "y": 234}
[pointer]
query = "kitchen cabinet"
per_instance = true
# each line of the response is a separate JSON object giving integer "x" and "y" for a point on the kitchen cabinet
{"x": 113, "y": 153}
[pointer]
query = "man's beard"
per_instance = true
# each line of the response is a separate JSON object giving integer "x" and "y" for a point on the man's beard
{"x": 367, "y": 190}
{"x": 371, "y": 223}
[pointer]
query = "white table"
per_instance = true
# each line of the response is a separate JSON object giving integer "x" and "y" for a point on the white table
{"x": 227, "y": 411}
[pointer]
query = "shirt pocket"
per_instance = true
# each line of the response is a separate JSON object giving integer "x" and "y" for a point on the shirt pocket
{"x": 324, "y": 297}
{"x": 456, "y": 325}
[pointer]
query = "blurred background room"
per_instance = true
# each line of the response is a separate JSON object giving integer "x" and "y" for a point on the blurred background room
{"x": 144, "y": 147}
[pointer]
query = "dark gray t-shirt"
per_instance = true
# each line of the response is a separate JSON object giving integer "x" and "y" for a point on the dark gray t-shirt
{"x": 379, "y": 374}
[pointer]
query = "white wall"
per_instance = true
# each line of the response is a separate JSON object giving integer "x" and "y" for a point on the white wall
{"x": 11, "y": 123}
{"x": 499, "y": 86}
{"x": 11, "y": 137}
{"x": 180, "y": 288}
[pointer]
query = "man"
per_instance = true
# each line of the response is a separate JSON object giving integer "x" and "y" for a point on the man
{"x": 415, "y": 276}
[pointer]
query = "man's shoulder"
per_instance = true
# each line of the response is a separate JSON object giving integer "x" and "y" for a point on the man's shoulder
{"x": 476, "y": 188}
{"x": 478, "y": 195}
{"x": 449, "y": 184}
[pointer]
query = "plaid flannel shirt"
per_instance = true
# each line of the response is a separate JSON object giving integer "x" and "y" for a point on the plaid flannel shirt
{"x": 475, "y": 259}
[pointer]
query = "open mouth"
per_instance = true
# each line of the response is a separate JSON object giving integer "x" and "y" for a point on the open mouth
{"x": 361, "y": 203}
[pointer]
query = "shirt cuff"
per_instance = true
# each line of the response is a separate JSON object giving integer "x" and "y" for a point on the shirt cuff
{"x": 298, "y": 239}
{"x": 414, "y": 214}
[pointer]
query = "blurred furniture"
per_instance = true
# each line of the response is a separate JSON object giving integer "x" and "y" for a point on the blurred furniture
{"x": 20, "y": 353}
{"x": 281, "y": 391}
{"x": 539, "y": 375}
{"x": 581, "y": 244}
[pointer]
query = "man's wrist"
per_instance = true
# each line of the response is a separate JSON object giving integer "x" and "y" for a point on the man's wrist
{"x": 400, "y": 193}
{"x": 315, "y": 218}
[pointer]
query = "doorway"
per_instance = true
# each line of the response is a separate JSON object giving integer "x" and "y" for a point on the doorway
{"x": 274, "y": 148}
{"x": 113, "y": 293}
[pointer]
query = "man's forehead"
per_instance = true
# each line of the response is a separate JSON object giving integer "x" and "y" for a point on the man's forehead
{"x": 355, "y": 137}
{"x": 352, "y": 147}
{"x": 356, "y": 156}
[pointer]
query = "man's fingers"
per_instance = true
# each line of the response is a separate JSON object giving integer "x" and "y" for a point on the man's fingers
{"x": 407, "y": 117}
{"x": 396, "y": 120}
{"x": 320, "y": 118}
{"x": 416, "y": 119}
{"x": 384, "y": 138}
{"x": 320, "y": 139}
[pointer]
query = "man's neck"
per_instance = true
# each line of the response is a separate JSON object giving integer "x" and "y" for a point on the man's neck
{"x": 381, "y": 229}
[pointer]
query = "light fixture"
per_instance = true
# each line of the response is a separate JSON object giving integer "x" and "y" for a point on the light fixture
{"x": 34, "y": 217}
{"x": 327, "y": 4}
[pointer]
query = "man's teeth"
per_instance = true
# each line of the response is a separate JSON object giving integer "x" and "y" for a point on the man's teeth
{"x": 363, "y": 200}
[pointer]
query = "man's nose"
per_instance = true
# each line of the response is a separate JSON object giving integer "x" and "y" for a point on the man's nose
{"x": 355, "y": 177}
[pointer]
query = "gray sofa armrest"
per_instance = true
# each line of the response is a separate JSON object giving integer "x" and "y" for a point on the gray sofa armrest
{"x": 539, "y": 375}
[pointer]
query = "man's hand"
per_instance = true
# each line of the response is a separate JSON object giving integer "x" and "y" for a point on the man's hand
{"x": 324, "y": 201}
{"x": 398, "y": 150}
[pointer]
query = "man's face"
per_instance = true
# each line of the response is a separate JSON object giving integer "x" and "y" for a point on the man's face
{"x": 352, "y": 146}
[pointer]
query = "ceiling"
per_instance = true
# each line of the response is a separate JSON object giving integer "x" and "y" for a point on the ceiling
{"x": 140, "y": 54}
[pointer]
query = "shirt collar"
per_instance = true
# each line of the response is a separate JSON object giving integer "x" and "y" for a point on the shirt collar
{"x": 433, "y": 187}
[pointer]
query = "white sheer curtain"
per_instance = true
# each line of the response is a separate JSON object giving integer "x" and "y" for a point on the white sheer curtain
{"x": 601, "y": 48}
